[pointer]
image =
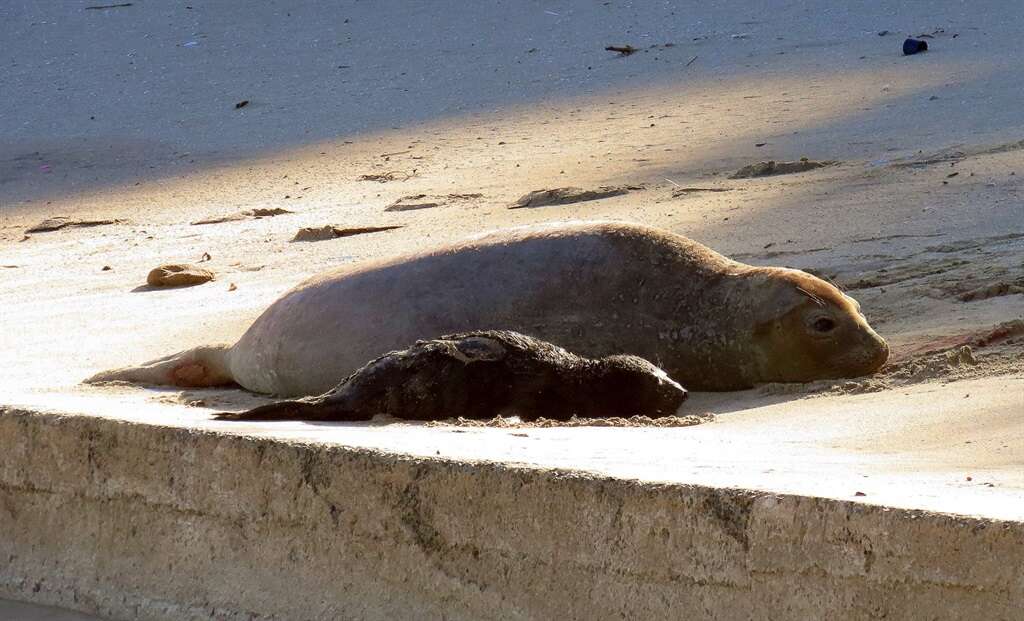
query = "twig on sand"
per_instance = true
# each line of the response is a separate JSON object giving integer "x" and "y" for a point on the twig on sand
{"x": 108, "y": 6}
{"x": 690, "y": 62}
{"x": 681, "y": 191}
{"x": 391, "y": 175}
{"x": 625, "y": 50}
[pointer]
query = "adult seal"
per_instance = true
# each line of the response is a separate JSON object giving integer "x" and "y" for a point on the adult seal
{"x": 480, "y": 375}
{"x": 595, "y": 288}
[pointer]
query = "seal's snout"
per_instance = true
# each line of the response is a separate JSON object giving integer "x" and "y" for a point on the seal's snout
{"x": 879, "y": 352}
{"x": 671, "y": 391}
{"x": 867, "y": 356}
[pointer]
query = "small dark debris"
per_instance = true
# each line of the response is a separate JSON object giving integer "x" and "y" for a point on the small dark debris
{"x": 623, "y": 50}
{"x": 883, "y": 33}
{"x": 859, "y": 494}
{"x": 60, "y": 222}
{"x": 771, "y": 167}
{"x": 391, "y": 175}
{"x": 565, "y": 196}
{"x": 108, "y": 6}
{"x": 105, "y": 268}
{"x": 676, "y": 193}
{"x": 760, "y": 144}
{"x": 242, "y": 104}
{"x": 206, "y": 257}
{"x": 953, "y": 174}
{"x": 914, "y": 46}
{"x": 412, "y": 203}
{"x": 255, "y": 214}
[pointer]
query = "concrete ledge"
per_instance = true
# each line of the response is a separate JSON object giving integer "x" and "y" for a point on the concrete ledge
{"x": 138, "y": 521}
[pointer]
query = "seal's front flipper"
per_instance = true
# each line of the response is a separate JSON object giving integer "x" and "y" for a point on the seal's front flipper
{"x": 295, "y": 410}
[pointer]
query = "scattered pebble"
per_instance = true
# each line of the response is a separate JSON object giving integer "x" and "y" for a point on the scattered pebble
{"x": 178, "y": 275}
{"x": 914, "y": 46}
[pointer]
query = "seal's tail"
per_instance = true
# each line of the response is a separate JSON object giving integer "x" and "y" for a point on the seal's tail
{"x": 195, "y": 368}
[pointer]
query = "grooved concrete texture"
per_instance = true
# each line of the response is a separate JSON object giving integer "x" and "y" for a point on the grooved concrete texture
{"x": 145, "y": 522}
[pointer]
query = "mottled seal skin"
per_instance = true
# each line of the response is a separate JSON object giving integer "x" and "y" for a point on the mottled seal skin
{"x": 480, "y": 375}
{"x": 595, "y": 288}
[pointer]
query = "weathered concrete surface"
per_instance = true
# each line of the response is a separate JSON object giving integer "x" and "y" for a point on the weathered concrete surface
{"x": 20, "y": 611}
{"x": 140, "y": 521}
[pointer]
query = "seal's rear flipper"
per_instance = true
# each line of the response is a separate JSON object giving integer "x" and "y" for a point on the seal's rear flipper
{"x": 295, "y": 410}
{"x": 195, "y": 368}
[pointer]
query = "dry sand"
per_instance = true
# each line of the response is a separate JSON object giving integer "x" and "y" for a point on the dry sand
{"x": 129, "y": 114}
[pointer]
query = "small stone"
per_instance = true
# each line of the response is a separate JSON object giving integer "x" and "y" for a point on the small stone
{"x": 178, "y": 275}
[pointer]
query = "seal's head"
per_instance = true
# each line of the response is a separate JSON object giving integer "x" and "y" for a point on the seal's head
{"x": 811, "y": 330}
{"x": 625, "y": 385}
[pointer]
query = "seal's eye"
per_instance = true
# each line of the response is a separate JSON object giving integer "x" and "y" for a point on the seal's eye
{"x": 824, "y": 324}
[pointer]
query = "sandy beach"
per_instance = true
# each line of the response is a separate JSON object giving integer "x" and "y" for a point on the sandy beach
{"x": 130, "y": 116}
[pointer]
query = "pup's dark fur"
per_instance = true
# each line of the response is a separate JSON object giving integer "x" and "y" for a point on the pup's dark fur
{"x": 483, "y": 374}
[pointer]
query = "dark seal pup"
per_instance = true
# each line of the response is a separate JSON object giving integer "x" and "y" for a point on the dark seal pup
{"x": 480, "y": 375}
{"x": 595, "y": 288}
